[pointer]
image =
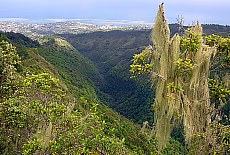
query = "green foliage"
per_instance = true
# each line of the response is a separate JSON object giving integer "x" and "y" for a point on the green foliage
{"x": 184, "y": 67}
{"x": 141, "y": 62}
{"x": 173, "y": 147}
{"x": 73, "y": 131}
{"x": 111, "y": 53}
{"x": 172, "y": 88}
{"x": 221, "y": 30}
{"x": 85, "y": 134}
{"x": 31, "y": 147}
{"x": 4, "y": 38}
{"x": 190, "y": 41}
{"x": 42, "y": 117}
{"x": 44, "y": 82}
{"x": 20, "y": 39}
{"x": 9, "y": 56}
{"x": 223, "y": 48}
{"x": 65, "y": 59}
{"x": 182, "y": 89}
{"x": 216, "y": 140}
{"x": 219, "y": 79}
{"x": 9, "y": 59}
{"x": 35, "y": 102}
{"x": 16, "y": 115}
{"x": 218, "y": 91}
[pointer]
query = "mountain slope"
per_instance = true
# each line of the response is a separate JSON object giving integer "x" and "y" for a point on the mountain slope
{"x": 112, "y": 52}
{"x": 46, "y": 115}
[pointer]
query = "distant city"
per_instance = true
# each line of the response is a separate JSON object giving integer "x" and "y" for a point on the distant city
{"x": 89, "y": 21}
{"x": 40, "y": 27}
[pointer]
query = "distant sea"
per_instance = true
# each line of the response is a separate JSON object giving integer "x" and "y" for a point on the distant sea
{"x": 89, "y": 21}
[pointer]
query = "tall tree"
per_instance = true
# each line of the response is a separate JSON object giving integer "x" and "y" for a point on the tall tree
{"x": 181, "y": 68}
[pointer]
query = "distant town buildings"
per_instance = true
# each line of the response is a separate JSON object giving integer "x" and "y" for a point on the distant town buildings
{"x": 39, "y": 30}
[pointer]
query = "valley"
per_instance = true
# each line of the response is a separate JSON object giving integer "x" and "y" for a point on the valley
{"x": 93, "y": 104}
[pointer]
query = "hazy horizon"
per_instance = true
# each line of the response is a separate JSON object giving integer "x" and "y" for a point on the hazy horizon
{"x": 89, "y": 21}
{"x": 133, "y": 11}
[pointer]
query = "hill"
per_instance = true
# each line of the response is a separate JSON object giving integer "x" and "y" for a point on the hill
{"x": 57, "y": 102}
{"x": 50, "y": 105}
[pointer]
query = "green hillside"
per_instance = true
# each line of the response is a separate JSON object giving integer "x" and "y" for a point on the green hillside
{"x": 111, "y": 52}
{"x": 44, "y": 115}
{"x": 49, "y": 105}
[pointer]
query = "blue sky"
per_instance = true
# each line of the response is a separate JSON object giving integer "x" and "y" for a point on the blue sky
{"x": 206, "y": 11}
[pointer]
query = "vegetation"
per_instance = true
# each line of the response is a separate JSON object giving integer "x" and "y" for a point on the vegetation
{"x": 42, "y": 115}
{"x": 52, "y": 95}
{"x": 111, "y": 53}
{"x": 181, "y": 67}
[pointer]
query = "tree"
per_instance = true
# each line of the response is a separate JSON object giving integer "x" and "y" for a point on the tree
{"x": 181, "y": 67}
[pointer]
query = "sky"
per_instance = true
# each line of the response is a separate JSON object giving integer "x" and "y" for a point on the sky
{"x": 204, "y": 11}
